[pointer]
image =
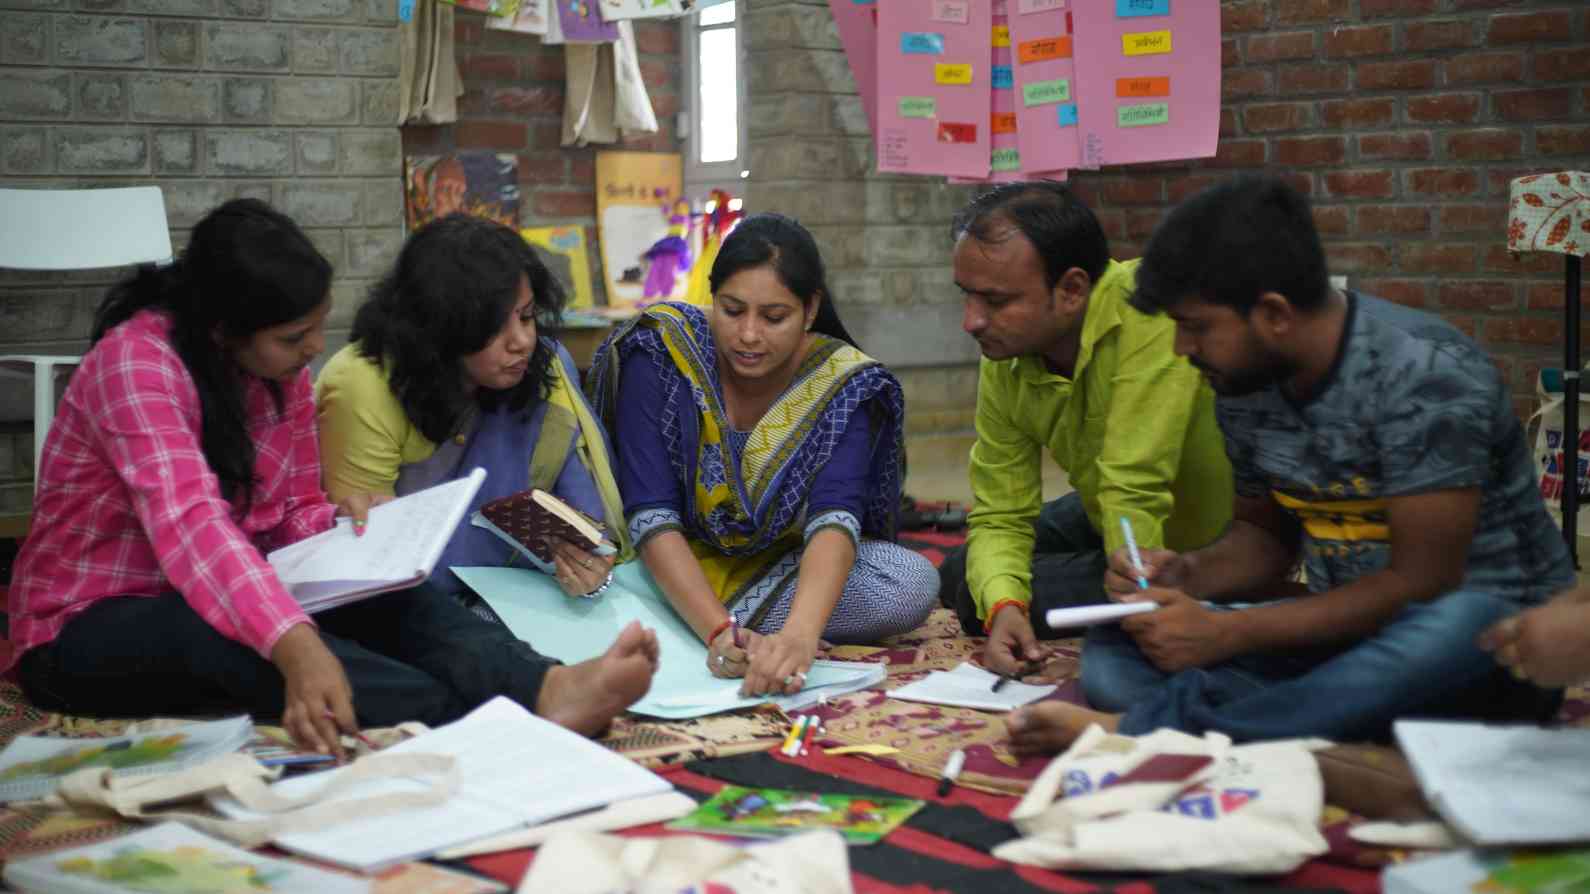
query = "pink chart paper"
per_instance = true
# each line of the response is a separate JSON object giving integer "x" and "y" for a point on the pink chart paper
{"x": 1041, "y": 49}
{"x": 1165, "y": 56}
{"x": 934, "y": 96}
{"x": 857, "y": 21}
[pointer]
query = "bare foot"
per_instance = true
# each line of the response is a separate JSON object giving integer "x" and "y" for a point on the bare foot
{"x": 585, "y": 697}
{"x": 1050, "y": 727}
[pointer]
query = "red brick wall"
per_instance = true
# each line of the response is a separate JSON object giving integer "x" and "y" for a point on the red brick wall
{"x": 1403, "y": 120}
{"x": 513, "y": 102}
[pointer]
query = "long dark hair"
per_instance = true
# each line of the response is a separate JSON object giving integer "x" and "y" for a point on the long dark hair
{"x": 773, "y": 240}
{"x": 247, "y": 267}
{"x": 449, "y": 294}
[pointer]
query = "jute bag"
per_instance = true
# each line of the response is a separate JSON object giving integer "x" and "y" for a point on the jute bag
{"x": 594, "y": 863}
{"x": 154, "y": 797}
{"x": 1169, "y": 801}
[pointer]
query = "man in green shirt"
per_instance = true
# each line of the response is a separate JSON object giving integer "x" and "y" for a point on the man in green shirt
{"x": 1070, "y": 367}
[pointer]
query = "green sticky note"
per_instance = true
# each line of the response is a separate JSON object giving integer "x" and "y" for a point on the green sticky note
{"x": 1040, "y": 93}
{"x": 1006, "y": 160}
{"x": 1142, "y": 115}
{"x": 918, "y": 107}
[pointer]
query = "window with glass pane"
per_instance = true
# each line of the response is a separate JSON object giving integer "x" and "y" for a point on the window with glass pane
{"x": 717, "y": 85}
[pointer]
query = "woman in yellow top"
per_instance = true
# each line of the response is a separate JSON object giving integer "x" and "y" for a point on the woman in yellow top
{"x": 448, "y": 369}
{"x": 761, "y": 457}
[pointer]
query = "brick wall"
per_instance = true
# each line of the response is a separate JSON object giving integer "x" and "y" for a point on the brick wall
{"x": 1403, "y": 120}
{"x": 513, "y": 103}
{"x": 292, "y": 101}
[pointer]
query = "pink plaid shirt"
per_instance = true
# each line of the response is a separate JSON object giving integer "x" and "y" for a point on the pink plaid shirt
{"x": 127, "y": 505}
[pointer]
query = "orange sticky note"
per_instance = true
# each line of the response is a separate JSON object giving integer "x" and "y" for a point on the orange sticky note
{"x": 1044, "y": 49}
{"x": 1004, "y": 122}
{"x": 1142, "y": 86}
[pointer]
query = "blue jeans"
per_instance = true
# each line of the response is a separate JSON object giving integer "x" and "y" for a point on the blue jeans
{"x": 1424, "y": 662}
{"x": 416, "y": 654}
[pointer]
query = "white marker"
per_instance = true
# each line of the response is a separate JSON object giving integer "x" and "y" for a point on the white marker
{"x": 1061, "y": 618}
{"x": 1131, "y": 550}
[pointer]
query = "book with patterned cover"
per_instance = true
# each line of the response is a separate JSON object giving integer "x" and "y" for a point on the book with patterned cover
{"x": 532, "y": 520}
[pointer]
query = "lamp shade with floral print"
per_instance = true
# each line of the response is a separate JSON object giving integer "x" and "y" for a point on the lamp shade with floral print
{"x": 1550, "y": 212}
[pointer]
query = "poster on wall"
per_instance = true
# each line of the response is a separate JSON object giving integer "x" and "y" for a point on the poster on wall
{"x": 645, "y": 257}
{"x": 485, "y": 184}
{"x": 1148, "y": 80}
{"x": 563, "y": 250}
{"x": 857, "y": 21}
{"x": 1044, "y": 98}
{"x": 934, "y": 88}
{"x": 530, "y": 18}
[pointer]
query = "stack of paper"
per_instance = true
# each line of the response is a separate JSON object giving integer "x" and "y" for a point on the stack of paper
{"x": 31, "y": 766}
{"x": 1503, "y": 785}
{"x": 517, "y": 770}
{"x": 572, "y": 630}
{"x": 170, "y": 857}
{"x": 969, "y": 686}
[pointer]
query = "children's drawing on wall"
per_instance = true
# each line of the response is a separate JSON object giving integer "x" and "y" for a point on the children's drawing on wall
{"x": 484, "y": 184}
{"x": 645, "y": 252}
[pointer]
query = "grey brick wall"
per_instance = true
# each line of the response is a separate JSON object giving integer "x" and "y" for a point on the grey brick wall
{"x": 291, "y": 101}
{"x": 885, "y": 237}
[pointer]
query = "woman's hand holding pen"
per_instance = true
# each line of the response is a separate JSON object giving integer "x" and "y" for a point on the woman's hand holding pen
{"x": 728, "y": 652}
{"x": 358, "y": 506}
{"x": 779, "y": 662}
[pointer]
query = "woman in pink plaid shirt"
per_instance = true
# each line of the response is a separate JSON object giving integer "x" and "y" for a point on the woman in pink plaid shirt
{"x": 183, "y": 449}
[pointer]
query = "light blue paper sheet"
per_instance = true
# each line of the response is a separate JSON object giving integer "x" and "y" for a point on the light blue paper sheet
{"x": 572, "y": 630}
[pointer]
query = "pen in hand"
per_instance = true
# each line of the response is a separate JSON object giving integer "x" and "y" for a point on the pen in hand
{"x": 1027, "y": 667}
{"x": 1131, "y": 550}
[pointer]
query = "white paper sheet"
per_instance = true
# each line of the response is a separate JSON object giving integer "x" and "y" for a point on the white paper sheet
{"x": 969, "y": 686}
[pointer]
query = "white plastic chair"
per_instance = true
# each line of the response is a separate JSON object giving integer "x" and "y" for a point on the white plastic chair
{"x": 74, "y": 229}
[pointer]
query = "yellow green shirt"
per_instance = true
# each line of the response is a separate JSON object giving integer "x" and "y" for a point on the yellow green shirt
{"x": 1134, "y": 428}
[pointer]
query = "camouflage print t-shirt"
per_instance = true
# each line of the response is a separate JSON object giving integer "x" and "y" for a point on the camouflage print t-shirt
{"x": 1411, "y": 406}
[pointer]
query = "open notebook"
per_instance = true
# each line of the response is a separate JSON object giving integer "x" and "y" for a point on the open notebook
{"x": 538, "y": 612}
{"x": 517, "y": 770}
{"x": 400, "y": 547}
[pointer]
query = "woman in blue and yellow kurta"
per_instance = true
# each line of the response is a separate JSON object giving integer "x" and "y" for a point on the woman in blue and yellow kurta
{"x": 760, "y": 455}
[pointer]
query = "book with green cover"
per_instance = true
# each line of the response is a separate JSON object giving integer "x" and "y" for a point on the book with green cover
{"x": 775, "y": 813}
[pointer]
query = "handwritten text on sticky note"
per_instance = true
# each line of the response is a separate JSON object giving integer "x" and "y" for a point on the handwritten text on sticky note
{"x": 1067, "y": 114}
{"x": 925, "y": 42}
{"x": 1043, "y": 49}
{"x": 1003, "y": 122}
{"x": 952, "y": 73}
{"x": 1044, "y": 92}
{"x": 1027, "y": 7}
{"x": 1000, "y": 77}
{"x": 1145, "y": 43}
{"x": 918, "y": 107}
{"x": 957, "y": 133}
{"x": 1142, "y": 86}
{"x": 1006, "y": 160}
{"x": 1134, "y": 8}
{"x": 1142, "y": 115}
{"x": 1001, "y": 35}
{"x": 957, "y": 12}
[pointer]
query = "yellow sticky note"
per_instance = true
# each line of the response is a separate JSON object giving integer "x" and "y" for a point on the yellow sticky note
{"x": 1001, "y": 35}
{"x": 1145, "y": 43}
{"x": 952, "y": 73}
{"x": 870, "y": 748}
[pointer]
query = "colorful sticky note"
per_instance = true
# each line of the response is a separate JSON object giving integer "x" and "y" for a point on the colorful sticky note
{"x": 1068, "y": 114}
{"x": 958, "y": 12}
{"x": 1006, "y": 160}
{"x": 1043, "y": 92}
{"x": 1004, "y": 122}
{"x": 1043, "y": 49}
{"x": 918, "y": 107}
{"x": 863, "y": 2}
{"x": 957, "y": 133}
{"x": 1142, "y": 86}
{"x": 1134, "y": 8}
{"x": 1001, "y": 35}
{"x": 952, "y": 73}
{"x": 1143, "y": 115}
{"x": 1145, "y": 43}
{"x": 924, "y": 42}
{"x": 1027, "y": 7}
{"x": 1001, "y": 77}
{"x": 405, "y": 10}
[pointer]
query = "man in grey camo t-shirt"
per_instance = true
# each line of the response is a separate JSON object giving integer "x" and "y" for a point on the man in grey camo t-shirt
{"x": 1373, "y": 444}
